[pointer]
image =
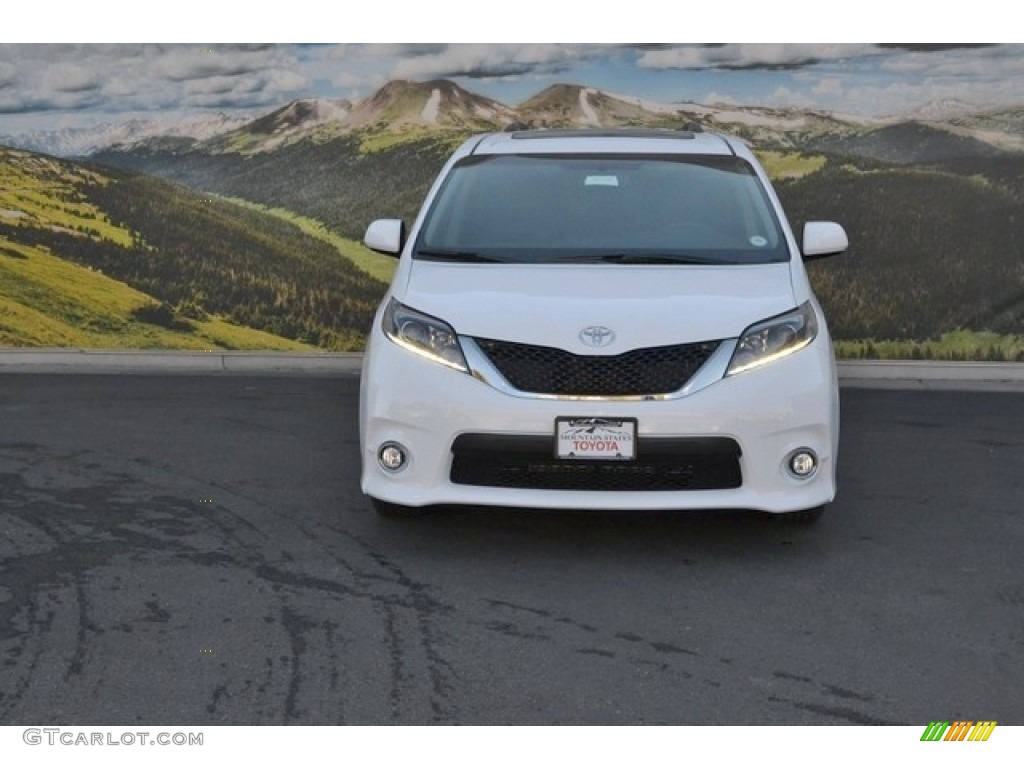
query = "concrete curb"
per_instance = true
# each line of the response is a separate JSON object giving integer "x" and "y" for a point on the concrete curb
{"x": 931, "y": 374}
{"x": 882, "y": 374}
{"x": 164, "y": 362}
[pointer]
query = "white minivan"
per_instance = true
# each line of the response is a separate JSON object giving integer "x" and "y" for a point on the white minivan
{"x": 601, "y": 319}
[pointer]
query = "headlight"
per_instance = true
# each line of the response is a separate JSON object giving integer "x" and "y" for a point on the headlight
{"x": 769, "y": 340}
{"x": 424, "y": 335}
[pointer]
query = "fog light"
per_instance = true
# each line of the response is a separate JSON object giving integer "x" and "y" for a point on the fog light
{"x": 802, "y": 463}
{"x": 392, "y": 456}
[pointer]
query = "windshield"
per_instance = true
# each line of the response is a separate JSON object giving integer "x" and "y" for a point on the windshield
{"x": 615, "y": 209}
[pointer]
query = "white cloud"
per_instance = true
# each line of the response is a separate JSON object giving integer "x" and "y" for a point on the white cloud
{"x": 786, "y": 97}
{"x": 752, "y": 55}
{"x": 357, "y": 81}
{"x": 67, "y": 77}
{"x": 8, "y": 74}
{"x": 902, "y": 81}
{"x": 490, "y": 60}
{"x": 347, "y": 79}
{"x": 828, "y": 88}
{"x": 143, "y": 77}
{"x": 1000, "y": 62}
{"x": 196, "y": 62}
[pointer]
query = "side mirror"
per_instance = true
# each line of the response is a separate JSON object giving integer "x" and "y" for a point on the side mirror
{"x": 823, "y": 238}
{"x": 385, "y": 236}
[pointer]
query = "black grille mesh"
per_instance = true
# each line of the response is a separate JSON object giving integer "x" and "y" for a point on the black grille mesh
{"x": 550, "y": 371}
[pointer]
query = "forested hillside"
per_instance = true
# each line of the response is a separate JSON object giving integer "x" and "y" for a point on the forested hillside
{"x": 344, "y": 183}
{"x": 199, "y": 258}
{"x": 931, "y": 251}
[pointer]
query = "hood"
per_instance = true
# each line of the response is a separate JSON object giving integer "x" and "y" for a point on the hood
{"x": 644, "y": 306}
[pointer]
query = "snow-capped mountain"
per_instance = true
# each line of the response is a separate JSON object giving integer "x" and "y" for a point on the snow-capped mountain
{"x": 435, "y": 103}
{"x": 294, "y": 121}
{"x": 941, "y": 110}
{"x": 403, "y": 106}
{"x": 80, "y": 142}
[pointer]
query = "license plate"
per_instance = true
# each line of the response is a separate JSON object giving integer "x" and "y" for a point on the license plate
{"x": 595, "y": 438}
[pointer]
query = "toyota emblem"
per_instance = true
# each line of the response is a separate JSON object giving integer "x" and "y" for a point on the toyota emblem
{"x": 597, "y": 336}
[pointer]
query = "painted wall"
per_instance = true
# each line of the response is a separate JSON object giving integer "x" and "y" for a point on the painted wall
{"x": 918, "y": 150}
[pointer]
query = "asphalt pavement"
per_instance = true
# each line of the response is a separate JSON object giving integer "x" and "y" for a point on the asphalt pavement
{"x": 195, "y": 550}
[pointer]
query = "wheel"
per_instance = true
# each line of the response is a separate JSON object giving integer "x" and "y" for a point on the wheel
{"x": 396, "y": 511}
{"x": 802, "y": 516}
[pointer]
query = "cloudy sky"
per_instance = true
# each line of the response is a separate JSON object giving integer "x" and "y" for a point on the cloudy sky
{"x": 47, "y": 86}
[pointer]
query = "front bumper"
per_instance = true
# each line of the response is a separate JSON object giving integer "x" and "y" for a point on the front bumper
{"x": 769, "y": 412}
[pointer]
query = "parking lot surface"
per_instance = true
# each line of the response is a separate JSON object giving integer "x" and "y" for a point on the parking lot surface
{"x": 196, "y": 550}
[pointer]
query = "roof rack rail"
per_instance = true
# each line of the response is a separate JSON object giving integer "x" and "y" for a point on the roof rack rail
{"x": 517, "y": 126}
{"x": 603, "y": 133}
{"x": 692, "y": 127}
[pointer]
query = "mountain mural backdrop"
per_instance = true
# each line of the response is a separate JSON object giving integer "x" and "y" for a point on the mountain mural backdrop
{"x": 932, "y": 202}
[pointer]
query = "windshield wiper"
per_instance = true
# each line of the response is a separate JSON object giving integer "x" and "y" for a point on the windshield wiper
{"x": 448, "y": 254}
{"x": 643, "y": 258}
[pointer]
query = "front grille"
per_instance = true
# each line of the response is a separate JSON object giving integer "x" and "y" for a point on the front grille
{"x": 550, "y": 371}
{"x": 662, "y": 464}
